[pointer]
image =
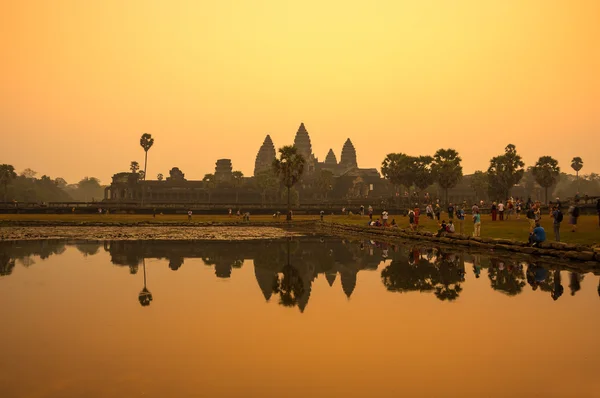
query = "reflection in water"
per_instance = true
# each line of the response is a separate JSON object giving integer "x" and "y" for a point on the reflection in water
{"x": 287, "y": 268}
{"x": 145, "y": 297}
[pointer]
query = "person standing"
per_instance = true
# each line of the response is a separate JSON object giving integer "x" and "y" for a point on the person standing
{"x": 501, "y": 211}
{"x": 494, "y": 211}
{"x": 450, "y": 211}
{"x": 460, "y": 214}
{"x": 417, "y": 212}
{"x": 531, "y": 218}
{"x": 438, "y": 211}
{"x": 477, "y": 224}
{"x": 384, "y": 216}
{"x": 598, "y": 210}
{"x": 574, "y": 217}
{"x": 558, "y": 217}
{"x": 190, "y": 215}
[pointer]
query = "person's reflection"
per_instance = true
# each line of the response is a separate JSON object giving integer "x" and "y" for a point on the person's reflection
{"x": 575, "y": 282}
{"x": 536, "y": 275}
{"x": 557, "y": 289}
{"x": 145, "y": 297}
{"x": 477, "y": 265}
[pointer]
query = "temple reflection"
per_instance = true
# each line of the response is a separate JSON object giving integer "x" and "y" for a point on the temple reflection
{"x": 285, "y": 270}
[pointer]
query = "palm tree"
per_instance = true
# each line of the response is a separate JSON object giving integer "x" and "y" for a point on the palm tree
{"x": 238, "y": 178}
{"x": 7, "y": 174}
{"x": 146, "y": 142}
{"x": 577, "y": 164}
{"x": 289, "y": 168}
{"x": 160, "y": 177}
{"x": 134, "y": 167}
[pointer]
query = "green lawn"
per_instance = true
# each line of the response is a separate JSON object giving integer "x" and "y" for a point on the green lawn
{"x": 587, "y": 233}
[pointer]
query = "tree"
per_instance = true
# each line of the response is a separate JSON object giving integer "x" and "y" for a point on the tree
{"x": 577, "y": 164}
{"x": 238, "y": 179}
{"x": 267, "y": 183}
{"x": 7, "y": 175}
{"x": 210, "y": 183}
{"x": 89, "y": 187}
{"x": 60, "y": 182}
{"x": 160, "y": 177}
{"x": 399, "y": 169}
{"x": 546, "y": 173}
{"x": 446, "y": 169}
{"x": 324, "y": 183}
{"x": 142, "y": 175}
{"x": 422, "y": 172}
{"x": 134, "y": 167}
{"x": 146, "y": 142}
{"x": 505, "y": 172}
{"x": 480, "y": 184}
{"x": 289, "y": 168}
{"x": 28, "y": 173}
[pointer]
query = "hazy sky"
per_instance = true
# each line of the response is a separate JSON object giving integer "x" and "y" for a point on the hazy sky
{"x": 80, "y": 81}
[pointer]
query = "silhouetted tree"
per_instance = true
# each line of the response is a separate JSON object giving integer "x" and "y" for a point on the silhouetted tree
{"x": 160, "y": 177}
{"x": 28, "y": 173}
{"x": 146, "y": 143}
{"x": 238, "y": 179}
{"x": 398, "y": 169}
{"x": 546, "y": 173}
{"x": 7, "y": 175}
{"x": 134, "y": 166}
{"x": 480, "y": 184}
{"x": 289, "y": 168}
{"x": 423, "y": 172}
{"x": 577, "y": 164}
{"x": 267, "y": 183}
{"x": 446, "y": 169}
{"x": 505, "y": 172}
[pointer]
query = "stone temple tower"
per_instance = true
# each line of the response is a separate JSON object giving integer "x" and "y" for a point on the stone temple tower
{"x": 330, "y": 159}
{"x": 348, "y": 159}
{"x": 302, "y": 143}
{"x": 265, "y": 156}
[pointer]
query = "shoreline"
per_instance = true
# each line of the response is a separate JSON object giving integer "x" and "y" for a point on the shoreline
{"x": 235, "y": 230}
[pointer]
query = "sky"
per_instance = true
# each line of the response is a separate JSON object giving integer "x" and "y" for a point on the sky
{"x": 80, "y": 82}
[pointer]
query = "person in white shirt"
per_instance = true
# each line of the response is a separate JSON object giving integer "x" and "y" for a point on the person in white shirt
{"x": 501, "y": 211}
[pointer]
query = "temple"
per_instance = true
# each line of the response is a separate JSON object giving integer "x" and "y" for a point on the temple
{"x": 327, "y": 180}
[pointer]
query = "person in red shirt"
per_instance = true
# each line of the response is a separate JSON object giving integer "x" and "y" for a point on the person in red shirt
{"x": 417, "y": 212}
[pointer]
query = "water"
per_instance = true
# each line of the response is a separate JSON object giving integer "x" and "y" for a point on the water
{"x": 302, "y": 318}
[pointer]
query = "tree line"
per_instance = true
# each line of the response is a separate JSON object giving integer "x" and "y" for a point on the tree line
{"x": 444, "y": 167}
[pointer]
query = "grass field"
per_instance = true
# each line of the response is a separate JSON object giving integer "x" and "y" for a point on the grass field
{"x": 588, "y": 232}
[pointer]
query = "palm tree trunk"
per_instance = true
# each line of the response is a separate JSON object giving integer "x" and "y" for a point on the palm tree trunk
{"x": 145, "y": 164}
{"x": 288, "y": 217}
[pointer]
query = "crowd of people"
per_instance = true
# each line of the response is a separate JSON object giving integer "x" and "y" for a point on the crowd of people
{"x": 499, "y": 211}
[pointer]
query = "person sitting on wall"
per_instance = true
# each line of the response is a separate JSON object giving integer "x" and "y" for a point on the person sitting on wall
{"x": 537, "y": 236}
{"x": 450, "y": 227}
{"x": 442, "y": 228}
{"x": 393, "y": 223}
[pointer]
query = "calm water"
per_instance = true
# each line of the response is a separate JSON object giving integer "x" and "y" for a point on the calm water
{"x": 302, "y": 318}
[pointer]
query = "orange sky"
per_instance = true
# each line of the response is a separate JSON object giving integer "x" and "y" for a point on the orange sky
{"x": 81, "y": 81}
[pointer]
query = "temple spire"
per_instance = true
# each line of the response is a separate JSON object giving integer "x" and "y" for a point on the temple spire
{"x": 265, "y": 156}
{"x": 302, "y": 142}
{"x": 348, "y": 158}
{"x": 330, "y": 159}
